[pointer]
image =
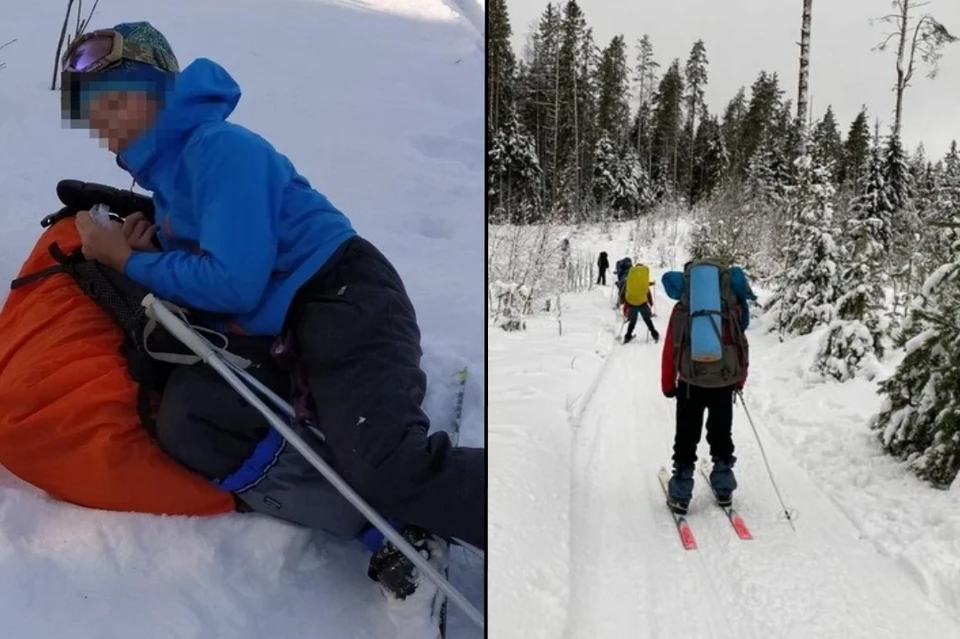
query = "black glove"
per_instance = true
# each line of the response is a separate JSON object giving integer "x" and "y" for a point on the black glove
{"x": 670, "y": 394}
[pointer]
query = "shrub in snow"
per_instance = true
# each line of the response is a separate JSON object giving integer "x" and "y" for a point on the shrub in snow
{"x": 805, "y": 289}
{"x": 920, "y": 417}
{"x": 720, "y": 240}
{"x": 855, "y": 339}
{"x": 510, "y": 304}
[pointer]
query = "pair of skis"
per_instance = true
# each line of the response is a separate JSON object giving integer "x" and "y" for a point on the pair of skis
{"x": 683, "y": 526}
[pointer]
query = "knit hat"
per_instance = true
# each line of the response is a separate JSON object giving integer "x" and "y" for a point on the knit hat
{"x": 145, "y": 45}
{"x": 148, "y": 65}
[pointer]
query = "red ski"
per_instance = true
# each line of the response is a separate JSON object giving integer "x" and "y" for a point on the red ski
{"x": 683, "y": 527}
{"x": 739, "y": 526}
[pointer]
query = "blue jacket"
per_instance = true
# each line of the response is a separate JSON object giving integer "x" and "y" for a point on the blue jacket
{"x": 241, "y": 230}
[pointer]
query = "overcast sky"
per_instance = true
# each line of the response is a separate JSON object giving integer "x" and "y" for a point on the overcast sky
{"x": 744, "y": 37}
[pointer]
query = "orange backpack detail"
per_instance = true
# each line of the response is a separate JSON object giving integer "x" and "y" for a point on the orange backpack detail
{"x": 68, "y": 406}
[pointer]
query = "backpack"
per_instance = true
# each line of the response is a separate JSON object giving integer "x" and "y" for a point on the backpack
{"x": 149, "y": 350}
{"x": 731, "y": 368}
{"x": 637, "y": 285}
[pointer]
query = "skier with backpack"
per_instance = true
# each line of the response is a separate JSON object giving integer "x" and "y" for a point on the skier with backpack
{"x": 635, "y": 297}
{"x": 620, "y": 270}
{"x": 704, "y": 363}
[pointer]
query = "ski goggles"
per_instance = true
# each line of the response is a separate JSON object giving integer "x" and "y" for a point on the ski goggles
{"x": 95, "y": 62}
{"x": 100, "y": 50}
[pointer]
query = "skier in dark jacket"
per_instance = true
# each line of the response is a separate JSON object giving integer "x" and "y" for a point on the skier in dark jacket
{"x": 244, "y": 240}
{"x": 603, "y": 265}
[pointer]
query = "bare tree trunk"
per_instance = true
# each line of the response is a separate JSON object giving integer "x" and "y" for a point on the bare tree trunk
{"x": 576, "y": 141}
{"x": 804, "y": 83}
{"x": 903, "y": 75}
{"x": 63, "y": 34}
{"x": 556, "y": 125}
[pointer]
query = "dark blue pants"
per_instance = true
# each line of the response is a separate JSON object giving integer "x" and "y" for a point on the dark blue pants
{"x": 359, "y": 343}
{"x": 642, "y": 311}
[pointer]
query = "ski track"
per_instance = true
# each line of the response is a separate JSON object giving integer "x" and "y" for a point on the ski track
{"x": 629, "y": 575}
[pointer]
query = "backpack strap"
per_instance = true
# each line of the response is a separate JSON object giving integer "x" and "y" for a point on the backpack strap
{"x": 65, "y": 264}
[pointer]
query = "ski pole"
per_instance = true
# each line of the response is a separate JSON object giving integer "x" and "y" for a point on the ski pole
{"x": 196, "y": 343}
{"x": 763, "y": 454}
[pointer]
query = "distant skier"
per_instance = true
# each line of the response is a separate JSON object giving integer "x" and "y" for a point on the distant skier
{"x": 603, "y": 265}
{"x": 704, "y": 362}
{"x": 635, "y": 297}
{"x": 621, "y": 269}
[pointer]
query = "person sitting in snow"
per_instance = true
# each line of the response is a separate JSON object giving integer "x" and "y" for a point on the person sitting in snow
{"x": 636, "y": 299}
{"x": 243, "y": 239}
{"x": 705, "y": 385}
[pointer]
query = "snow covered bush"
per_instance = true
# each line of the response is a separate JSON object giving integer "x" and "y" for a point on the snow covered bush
{"x": 919, "y": 420}
{"x": 541, "y": 258}
{"x": 658, "y": 237}
{"x": 855, "y": 339}
{"x": 720, "y": 240}
{"x": 510, "y": 305}
{"x": 806, "y": 293}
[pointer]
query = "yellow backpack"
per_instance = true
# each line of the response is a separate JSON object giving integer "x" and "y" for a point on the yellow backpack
{"x": 637, "y": 286}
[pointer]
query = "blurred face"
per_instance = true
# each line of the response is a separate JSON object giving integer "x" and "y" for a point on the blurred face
{"x": 119, "y": 117}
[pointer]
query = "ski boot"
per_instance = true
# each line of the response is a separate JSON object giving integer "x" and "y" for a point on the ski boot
{"x": 680, "y": 489}
{"x": 723, "y": 481}
{"x": 627, "y": 338}
{"x": 397, "y": 575}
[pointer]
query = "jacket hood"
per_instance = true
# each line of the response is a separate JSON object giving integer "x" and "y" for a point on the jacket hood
{"x": 673, "y": 284}
{"x": 202, "y": 93}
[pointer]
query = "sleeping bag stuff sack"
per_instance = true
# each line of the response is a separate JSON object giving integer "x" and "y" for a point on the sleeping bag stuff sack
{"x": 68, "y": 406}
{"x": 638, "y": 285}
{"x": 705, "y": 323}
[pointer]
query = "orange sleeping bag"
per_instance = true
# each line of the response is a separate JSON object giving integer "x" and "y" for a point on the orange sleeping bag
{"x": 68, "y": 406}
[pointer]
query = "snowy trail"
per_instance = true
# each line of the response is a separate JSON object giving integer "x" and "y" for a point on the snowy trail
{"x": 630, "y": 576}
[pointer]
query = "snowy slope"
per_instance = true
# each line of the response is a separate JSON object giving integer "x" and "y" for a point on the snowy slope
{"x": 380, "y": 104}
{"x": 578, "y": 430}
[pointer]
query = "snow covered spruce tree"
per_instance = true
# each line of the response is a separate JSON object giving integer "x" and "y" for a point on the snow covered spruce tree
{"x": 920, "y": 417}
{"x": 855, "y": 340}
{"x": 806, "y": 288}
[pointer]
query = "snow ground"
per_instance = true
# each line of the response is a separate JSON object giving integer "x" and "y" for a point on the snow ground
{"x": 380, "y": 104}
{"x": 578, "y": 429}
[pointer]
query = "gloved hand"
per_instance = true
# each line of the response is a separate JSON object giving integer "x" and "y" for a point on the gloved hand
{"x": 670, "y": 394}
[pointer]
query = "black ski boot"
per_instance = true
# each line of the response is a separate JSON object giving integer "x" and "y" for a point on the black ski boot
{"x": 627, "y": 338}
{"x": 680, "y": 488}
{"x": 679, "y": 507}
{"x": 397, "y": 575}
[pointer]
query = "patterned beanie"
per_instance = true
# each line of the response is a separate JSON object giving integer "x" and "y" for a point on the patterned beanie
{"x": 148, "y": 65}
{"x": 143, "y": 44}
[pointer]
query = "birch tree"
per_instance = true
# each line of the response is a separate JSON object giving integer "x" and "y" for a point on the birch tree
{"x": 918, "y": 40}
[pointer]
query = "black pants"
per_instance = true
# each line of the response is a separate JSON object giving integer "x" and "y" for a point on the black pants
{"x": 359, "y": 342}
{"x": 602, "y": 277}
{"x": 692, "y": 401}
